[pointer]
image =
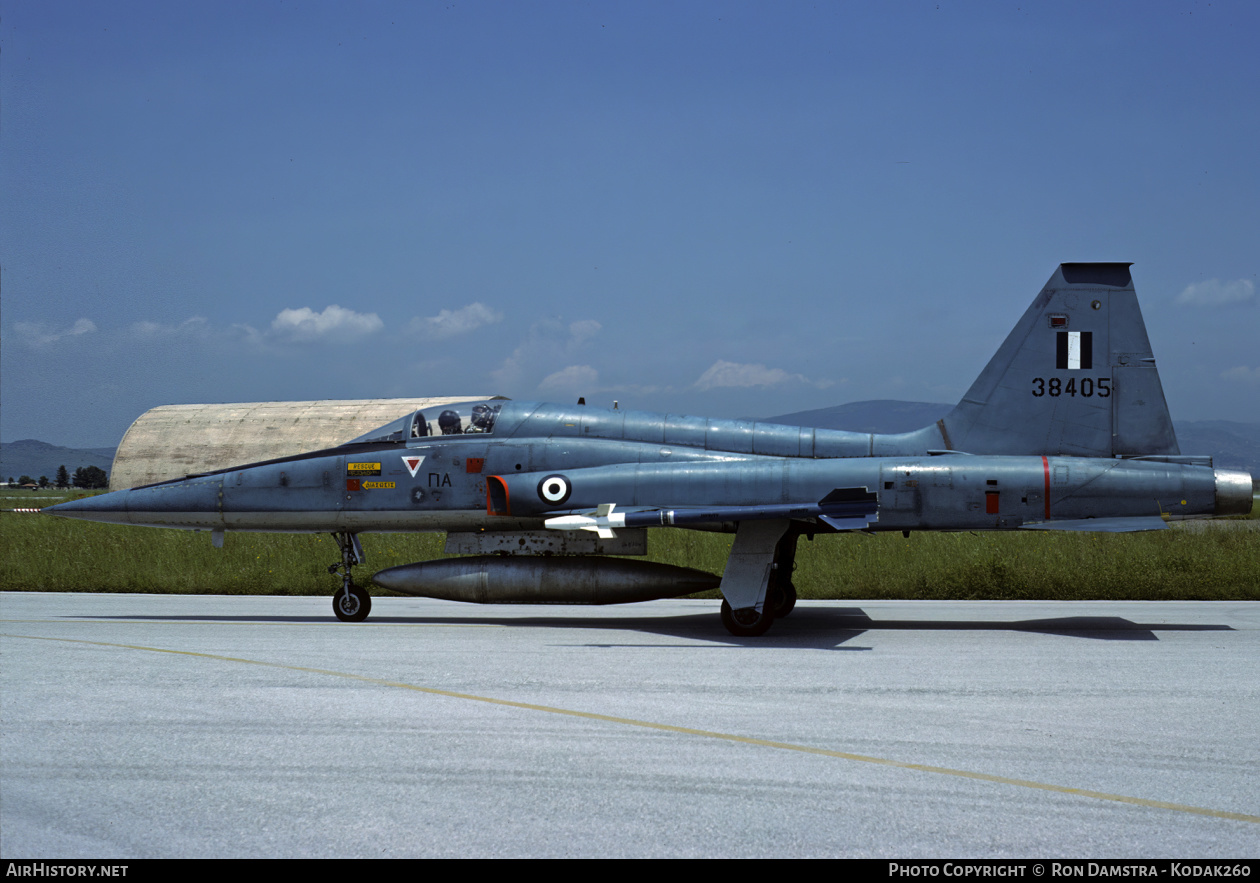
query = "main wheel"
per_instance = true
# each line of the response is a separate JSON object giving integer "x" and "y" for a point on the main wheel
{"x": 783, "y": 599}
{"x": 747, "y": 623}
{"x": 354, "y": 608}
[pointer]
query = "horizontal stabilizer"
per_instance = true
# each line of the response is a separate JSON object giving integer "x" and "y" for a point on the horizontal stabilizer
{"x": 1103, "y": 525}
{"x": 1180, "y": 459}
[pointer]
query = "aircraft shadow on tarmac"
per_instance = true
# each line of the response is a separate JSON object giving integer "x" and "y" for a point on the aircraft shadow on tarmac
{"x": 807, "y": 627}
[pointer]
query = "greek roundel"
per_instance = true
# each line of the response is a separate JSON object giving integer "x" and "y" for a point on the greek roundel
{"x": 554, "y": 489}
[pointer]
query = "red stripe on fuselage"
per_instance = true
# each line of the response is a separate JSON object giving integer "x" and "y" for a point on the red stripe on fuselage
{"x": 1046, "y": 465}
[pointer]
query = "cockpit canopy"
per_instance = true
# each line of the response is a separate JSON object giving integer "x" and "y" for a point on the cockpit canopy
{"x": 455, "y": 418}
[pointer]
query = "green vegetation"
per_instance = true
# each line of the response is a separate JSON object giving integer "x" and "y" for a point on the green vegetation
{"x": 39, "y": 553}
{"x": 90, "y": 477}
{"x": 1214, "y": 564}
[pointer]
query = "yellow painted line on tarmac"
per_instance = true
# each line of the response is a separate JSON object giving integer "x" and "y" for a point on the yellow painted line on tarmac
{"x": 688, "y": 731}
{"x": 157, "y": 620}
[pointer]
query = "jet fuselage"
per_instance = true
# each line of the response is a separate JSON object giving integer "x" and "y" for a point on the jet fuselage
{"x": 595, "y": 456}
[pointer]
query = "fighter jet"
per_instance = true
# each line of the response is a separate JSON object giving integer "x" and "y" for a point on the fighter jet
{"x": 1066, "y": 428}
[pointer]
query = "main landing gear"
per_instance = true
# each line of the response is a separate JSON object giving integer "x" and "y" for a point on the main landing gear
{"x": 747, "y": 622}
{"x": 762, "y": 560}
{"x": 351, "y": 603}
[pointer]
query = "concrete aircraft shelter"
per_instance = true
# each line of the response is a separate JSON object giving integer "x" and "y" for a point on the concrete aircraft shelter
{"x": 172, "y": 441}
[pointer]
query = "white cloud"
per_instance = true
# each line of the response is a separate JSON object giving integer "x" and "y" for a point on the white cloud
{"x": 547, "y": 343}
{"x": 197, "y": 325}
{"x": 582, "y": 331}
{"x": 39, "y": 334}
{"x": 1215, "y": 293}
{"x": 449, "y": 323}
{"x": 247, "y": 333}
{"x": 575, "y": 378}
{"x": 734, "y": 374}
{"x": 304, "y": 324}
{"x": 1242, "y": 373}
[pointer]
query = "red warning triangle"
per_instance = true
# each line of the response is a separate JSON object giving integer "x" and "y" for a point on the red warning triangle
{"x": 412, "y": 463}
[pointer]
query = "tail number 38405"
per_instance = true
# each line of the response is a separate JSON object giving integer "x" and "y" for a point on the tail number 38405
{"x": 1086, "y": 386}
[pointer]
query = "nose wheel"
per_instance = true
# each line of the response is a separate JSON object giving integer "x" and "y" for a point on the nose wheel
{"x": 351, "y": 603}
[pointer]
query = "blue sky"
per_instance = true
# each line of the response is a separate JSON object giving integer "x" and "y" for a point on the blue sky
{"x": 726, "y": 209}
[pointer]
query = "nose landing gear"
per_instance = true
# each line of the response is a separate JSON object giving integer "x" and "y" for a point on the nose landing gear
{"x": 351, "y": 603}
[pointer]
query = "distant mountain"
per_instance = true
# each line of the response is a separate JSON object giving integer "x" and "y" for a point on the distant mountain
{"x": 1232, "y": 444}
{"x": 36, "y": 458}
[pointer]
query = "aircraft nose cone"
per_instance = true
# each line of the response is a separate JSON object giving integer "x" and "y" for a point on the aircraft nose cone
{"x": 104, "y": 507}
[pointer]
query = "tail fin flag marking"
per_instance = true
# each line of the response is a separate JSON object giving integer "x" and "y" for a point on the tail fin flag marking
{"x": 1075, "y": 350}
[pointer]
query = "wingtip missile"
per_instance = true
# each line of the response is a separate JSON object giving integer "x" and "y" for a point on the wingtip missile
{"x": 603, "y": 522}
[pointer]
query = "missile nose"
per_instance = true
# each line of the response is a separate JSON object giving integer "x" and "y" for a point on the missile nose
{"x": 103, "y": 507}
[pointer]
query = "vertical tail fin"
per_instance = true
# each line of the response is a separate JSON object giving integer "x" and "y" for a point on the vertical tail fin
{"x": 1075, "y": 377}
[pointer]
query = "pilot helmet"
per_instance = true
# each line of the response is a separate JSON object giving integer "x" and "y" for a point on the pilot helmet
{"x": 482, "y": 415}
{"x": 449, "y": 422}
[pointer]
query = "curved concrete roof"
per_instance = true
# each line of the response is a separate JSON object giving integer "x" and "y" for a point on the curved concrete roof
{"x": 172, "y": 441}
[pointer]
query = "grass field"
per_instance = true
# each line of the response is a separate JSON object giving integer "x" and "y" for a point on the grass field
{"x": 39, "y": 553}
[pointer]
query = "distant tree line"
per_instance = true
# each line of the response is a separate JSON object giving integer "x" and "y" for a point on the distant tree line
{"x": 85, "y": 477}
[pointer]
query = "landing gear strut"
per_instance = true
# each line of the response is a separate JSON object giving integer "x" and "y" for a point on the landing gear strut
{"x": 351, "y": 603}
{"x": 780, "y": 593}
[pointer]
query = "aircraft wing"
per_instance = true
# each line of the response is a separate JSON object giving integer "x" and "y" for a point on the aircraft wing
{"x": 842, "y": 509}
